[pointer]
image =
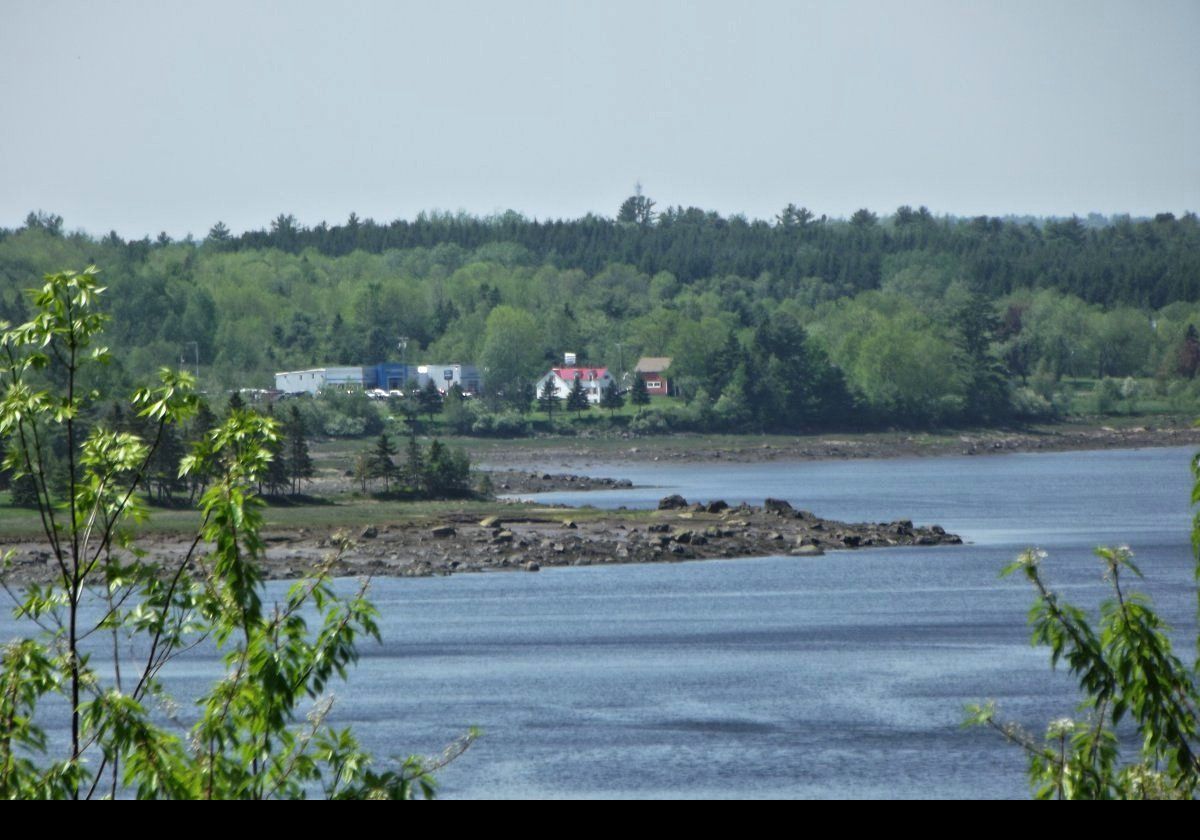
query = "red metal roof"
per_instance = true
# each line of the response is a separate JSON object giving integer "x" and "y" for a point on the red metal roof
{"x": 568, "y": 374}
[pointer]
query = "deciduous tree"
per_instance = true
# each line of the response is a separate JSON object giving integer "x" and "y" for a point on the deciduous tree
{"x": 251, "y": 737}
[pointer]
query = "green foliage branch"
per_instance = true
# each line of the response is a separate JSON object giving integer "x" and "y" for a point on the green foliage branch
{"x": 1130, "y": 679}
{"x": 247, "y": 736}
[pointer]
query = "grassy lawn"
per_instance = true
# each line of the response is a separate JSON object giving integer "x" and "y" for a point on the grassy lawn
{"x": 350, "y": 512}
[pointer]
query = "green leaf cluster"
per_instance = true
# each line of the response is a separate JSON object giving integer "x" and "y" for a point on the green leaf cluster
{"x": 105, "y": 631}
{"x": 1130, "y": 679}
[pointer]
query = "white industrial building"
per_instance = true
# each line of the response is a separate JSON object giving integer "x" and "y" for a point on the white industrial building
{"x": 389, "y": 376}
{"x": 314, "y": 379}
{"x": 445, "y": 377}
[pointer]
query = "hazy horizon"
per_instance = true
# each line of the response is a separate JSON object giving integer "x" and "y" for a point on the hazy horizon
{"x": 143, "y": 118}
{"x": 1091, "y": 218}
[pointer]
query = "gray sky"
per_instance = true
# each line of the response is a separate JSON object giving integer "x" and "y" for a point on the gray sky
{"x": 160, "y": 115}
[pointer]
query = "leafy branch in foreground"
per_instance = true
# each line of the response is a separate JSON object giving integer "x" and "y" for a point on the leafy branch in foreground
{"x": 111, "y": 602}
{"x": 1127, "y": 672}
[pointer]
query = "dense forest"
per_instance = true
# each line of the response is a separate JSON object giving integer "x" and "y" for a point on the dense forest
{"x": 793, "y": 323}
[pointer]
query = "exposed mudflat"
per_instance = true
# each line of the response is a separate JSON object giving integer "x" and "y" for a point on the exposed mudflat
{"x": 510, "y": 456}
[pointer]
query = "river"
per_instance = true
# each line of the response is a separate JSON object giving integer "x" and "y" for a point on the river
{"x": 837, "y": 676}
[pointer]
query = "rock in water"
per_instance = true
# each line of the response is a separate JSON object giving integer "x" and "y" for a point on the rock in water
{"x": 779, "y": 506}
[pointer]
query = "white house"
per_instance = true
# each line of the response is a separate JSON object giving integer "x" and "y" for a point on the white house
{"x": 594, "y": 380}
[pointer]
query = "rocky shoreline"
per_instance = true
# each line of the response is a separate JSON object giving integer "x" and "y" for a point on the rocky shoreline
{"x": 677, "y": 531}
{"x": 530, "y": 539}
{"x": 522, "y": 481}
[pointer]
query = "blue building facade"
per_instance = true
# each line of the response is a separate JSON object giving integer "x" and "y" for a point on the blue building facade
{"x": 388, "y": 376}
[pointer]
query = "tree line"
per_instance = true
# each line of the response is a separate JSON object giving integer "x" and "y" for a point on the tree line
{"x": 797, "y": 322}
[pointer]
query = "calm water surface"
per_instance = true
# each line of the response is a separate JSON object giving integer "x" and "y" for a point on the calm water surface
{"x": 837, "y": 676}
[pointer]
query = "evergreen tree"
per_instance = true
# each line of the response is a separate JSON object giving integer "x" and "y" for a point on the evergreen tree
{"x": 639, "y": 395}
{"x": 430, "y": 399}
{"x": 275, "y": 478}
{"x": 198, "y": 429}
{"x": 218, "y": 236}
{"x": 1188, "y": 357}
{"x": 447, "y": 472}
{"x": 637, "y": 209}
{"x": 162, "y": 472}
{"x": 548, "y": 399}
{"x": 789, "y": 382}
{"x": 734, "y": 407}
{"x": 611, "y": 399}
{"x": 577, "y": 400}
{"x": 414, "y": 465}
{"x": 410, "y": 405}
{"x": 455, "y": 412}
{"x": 23, "y": 491}
{"x": 382, "y": 463}
{"x": 299, "y": 460}
{"x": 987, "y": 389}
{"x": 525, "y": 395}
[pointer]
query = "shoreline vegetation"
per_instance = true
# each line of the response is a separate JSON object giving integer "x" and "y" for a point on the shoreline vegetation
{"x": 415, "y": 539}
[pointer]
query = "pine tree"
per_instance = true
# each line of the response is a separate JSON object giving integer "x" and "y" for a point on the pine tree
{"x": 382, "y": 465}
{"x": 414, "y": 465}
{"x": 23, "y": 491}
{"x": 447, "y": 472}
{"x": 548, "y": 399}
{"x": 436, "y": 476}
{"x": 639, "y": 395}
{"x": 430, "y": 399}
{"x": 611, "y": 399}
{"x": 455, "y": 413}
{"x": 299, "y": 461}
{"x": 526, "y": 394}
{"x": 410, "y": 405}
{"x": 1188, "y": 356}
{"x": 162, "y": 472}
{"x": 577, "y": 400}
{"x": 275, "y": 479}
{"x": 198, "y": 428}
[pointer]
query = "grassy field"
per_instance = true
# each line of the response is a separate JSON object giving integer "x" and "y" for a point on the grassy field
{"x": 348, "y": 512}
